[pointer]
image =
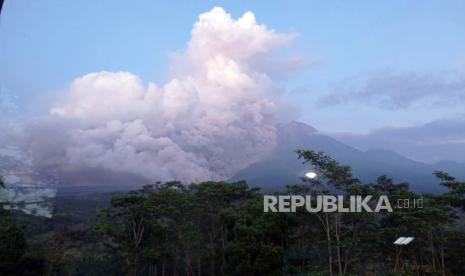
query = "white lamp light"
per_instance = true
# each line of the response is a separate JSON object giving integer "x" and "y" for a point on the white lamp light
{"x": 311, "y": 175}
{"x": 403, "y": 240}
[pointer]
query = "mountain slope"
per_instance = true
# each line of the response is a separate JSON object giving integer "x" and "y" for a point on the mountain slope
{"x": 282, "y": 167}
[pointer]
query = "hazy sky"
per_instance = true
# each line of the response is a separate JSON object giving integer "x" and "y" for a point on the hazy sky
{"x": 371, "y": 64}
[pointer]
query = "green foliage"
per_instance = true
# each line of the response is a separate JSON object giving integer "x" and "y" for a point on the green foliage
{"x": 12, "y": 246}
{"x": 336, "y": 174}
{"x": 13, "y": 258}
{"x": 456, "y": 194}
{"x": 219, "y": 228}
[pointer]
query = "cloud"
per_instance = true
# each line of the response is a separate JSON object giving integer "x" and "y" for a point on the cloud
{"x": 215, "y": 116}
{"x": 434, "y": 141}
{"x": 399, "y": 91}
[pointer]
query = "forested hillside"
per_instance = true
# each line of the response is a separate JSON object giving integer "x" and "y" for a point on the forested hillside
{"x": 218, "y": 228}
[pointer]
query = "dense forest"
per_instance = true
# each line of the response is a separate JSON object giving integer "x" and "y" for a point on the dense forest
{"x": 219, "y": 228}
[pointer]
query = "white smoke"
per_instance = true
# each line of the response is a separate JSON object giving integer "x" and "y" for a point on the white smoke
{"x": 216, "y": 115}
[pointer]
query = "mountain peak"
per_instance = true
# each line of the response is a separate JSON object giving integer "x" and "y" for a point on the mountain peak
{"x": 294, "y": 134}
{"x": 298, "y": 127}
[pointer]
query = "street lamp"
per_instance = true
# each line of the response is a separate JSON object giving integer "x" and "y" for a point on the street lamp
{"x": 312, "y": 173}
{"x": 403, "y": 240}
{"x": 400, "y": 243}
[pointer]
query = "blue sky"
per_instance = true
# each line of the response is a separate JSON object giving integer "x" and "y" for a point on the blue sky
{"x": 44, "y": 45}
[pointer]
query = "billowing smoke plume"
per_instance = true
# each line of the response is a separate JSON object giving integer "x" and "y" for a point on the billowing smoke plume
{"x": 216, "y": 115}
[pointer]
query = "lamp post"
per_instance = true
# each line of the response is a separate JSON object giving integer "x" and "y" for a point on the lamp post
{"x": 400, "y": 243}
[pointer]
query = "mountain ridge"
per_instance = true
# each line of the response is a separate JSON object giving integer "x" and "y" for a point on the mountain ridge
{"x": 282, "y": 167}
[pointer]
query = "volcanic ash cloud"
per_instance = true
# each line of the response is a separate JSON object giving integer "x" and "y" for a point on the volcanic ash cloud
{"x": 216, "y": 115}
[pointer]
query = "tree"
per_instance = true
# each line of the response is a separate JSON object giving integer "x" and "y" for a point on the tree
{"x": 125, "y": 226}
{"x": 333, "y": 178}
{"x": 455, "y": 196}
{"x": 12, "y": 241}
